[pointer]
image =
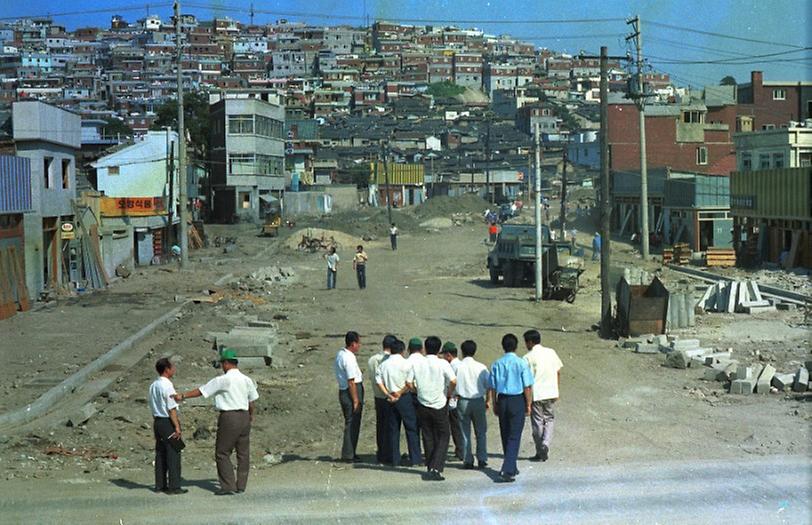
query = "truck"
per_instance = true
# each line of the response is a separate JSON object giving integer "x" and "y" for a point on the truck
{"x": 513, "y": 258}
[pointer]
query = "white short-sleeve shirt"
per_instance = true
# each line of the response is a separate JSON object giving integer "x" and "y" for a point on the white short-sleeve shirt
{"x": 544, "y": 365}
{"x": 160, "y": 397}
{"x": 346, "y": 368}
{"x": 472, "y": 379}
{"x": 394, "y": 373}
{"x": 232, "y": 390}
{"x": 432, "y": 376}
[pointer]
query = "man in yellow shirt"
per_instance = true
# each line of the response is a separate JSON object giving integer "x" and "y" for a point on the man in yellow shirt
{"x": 359, "y": 263}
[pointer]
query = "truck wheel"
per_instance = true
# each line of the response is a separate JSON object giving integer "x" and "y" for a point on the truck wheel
{"x": 493, "y": 274}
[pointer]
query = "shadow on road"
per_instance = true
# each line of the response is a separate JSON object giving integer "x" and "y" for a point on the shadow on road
{"x": 205, "y": 484}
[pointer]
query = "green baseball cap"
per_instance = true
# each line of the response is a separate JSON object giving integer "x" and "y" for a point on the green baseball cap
{"x": 448, "y": 346}
{"x": 228, "y": 354}
{"x": 415, "y": 342}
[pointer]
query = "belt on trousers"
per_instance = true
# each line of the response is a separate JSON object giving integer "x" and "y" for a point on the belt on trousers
{"x": 159, "y": 417}
{"x": 510, "y": 395}
{"x": 357, "y": 385}
{"x": 226, "y": 411}
{"x": 471, "y": 398}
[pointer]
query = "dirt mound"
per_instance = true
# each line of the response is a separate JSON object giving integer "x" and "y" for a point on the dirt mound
{"x": 443, "y": 206}
{"x": 343, "y": 241}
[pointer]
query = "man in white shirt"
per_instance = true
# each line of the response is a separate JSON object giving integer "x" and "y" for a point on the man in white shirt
{"x": 393, "y": 236}
{"x": 473, "y": 379}
{"x": 234, "y": 395}
{"x": 166, "y": 427}
{"x": 417, "y": 355}
{"x": 434, "y": 381}
{"x": 546, "y": 368}
{"x": 381, "y": 439}
{"x": 332, "y": 267}
{"x": 350, "y": 394}
{"x": 394, "y": 379}
{"x": 449, "y": 353}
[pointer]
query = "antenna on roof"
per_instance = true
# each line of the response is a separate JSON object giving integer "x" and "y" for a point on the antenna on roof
{"x": 251, "y": 13}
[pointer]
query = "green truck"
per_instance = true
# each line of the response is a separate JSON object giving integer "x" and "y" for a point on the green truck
{"x": 513, "y": 258}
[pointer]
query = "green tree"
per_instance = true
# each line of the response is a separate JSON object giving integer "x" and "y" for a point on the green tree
{"x": 445, "y": 89}
{"x": 728, "y": 81}
{"x": 195, "y": 118}
{"x": 116, "y": 127}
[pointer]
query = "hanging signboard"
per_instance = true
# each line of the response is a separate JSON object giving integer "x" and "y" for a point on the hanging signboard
{"x": 132, "y": 206}
{"x": 67, "y": 231}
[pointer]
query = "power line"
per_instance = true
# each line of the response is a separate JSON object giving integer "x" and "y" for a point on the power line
{"x": 739, "y": 60}
{"x": 131, "y": 7}
{"x": 722, "y": 35}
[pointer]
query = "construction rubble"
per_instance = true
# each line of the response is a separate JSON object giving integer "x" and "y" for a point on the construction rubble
{"x": 735, "y": 296}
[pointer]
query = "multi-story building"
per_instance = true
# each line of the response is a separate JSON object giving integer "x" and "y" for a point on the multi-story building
{"x": 773, "y": 104}
{"x": 468, "y": 69}
{"x": 247, "y": 154}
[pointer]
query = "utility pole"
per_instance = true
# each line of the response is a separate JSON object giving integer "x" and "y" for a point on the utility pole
{"x": 606, "y": 205}
{"x": 171, "y": 173}
{"x": 182, "y": 179}
{"x": 563, "y": 216}
{"x": 488, "y": 159}
{"x": 251, "y": 13}
{"x": 641, "y": 106}
{"x": 386, "y": 183}
{"x": 539, "y": 257}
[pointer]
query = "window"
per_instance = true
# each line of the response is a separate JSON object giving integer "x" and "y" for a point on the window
{"x": 764, "y": 161}
{"x": 693, "y": 117}
{"x": 779, "y": 94}
{"x": 245, "y": 200}
{"x": 113, "y": 170}
{"x": 805, "y": 160}
{"x": 241, "y": 164}
{"x": 47, "y": 165}
{"x": 768, "y": 126}
{"x": 778, "y": 160}
{"x": 65, "y": 174}
{"x": 240, "y": 124}
{"x": 701, "y": 155}
{"x": 747, "y": 162}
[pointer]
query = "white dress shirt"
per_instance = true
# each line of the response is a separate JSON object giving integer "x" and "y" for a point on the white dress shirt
{"x": 373, "y": 365}
{"x": 160, "y": 397}
{"x": 472, "y": 379}
{"x": 432, "y": 376}
{"x": 346, "y": 368}
{"x": 544, "y": 365}
{"x": 232, "y": 391}
{"x": 394, "y": 373}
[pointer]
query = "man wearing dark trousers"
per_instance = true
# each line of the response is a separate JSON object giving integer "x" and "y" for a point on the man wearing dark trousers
{"x": 449, "y": 353}
{"x": 234, "y": 396}
{"x": 434, "y": 381}
{"x": 166, "y": 427}
{"x": 394, "y": 378}
{"x": 350, "y": 394}
{"x": 381, "y": 405}
{"x": 511, "y": 387}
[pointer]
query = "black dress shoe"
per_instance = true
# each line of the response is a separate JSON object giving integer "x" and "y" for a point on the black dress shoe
{"x": 545, "y": 452}
{"x": 505, "y": 478}
{"x": 482, "y": 464}
{"x": 537, "y": 457}
{"x": 175, "y": 492}
{"x": 435, "y": 475}
{"x": 224, "y": 493}
{"x": 468, "y": 466}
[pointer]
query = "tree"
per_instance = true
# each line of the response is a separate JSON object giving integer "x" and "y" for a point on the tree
{"x": 445, "y": 89}
{"x": 727, "y": 81}
{"x": 116, "y": 127}
{"x": 195, "y": 118}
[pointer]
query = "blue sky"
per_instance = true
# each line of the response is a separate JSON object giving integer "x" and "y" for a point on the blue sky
{"x": 785, "y": 22}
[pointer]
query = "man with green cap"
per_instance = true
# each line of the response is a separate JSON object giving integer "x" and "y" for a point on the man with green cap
{"x": 449, "y": 353}
{"x": 417, "y": 356}
{"x": 234, "y": 396}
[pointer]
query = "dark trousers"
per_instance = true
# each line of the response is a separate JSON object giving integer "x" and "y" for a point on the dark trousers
{"x": 456, "y": 433}
{"x": 167, "y": 459}
{"x": 361, "y": 273}
{"x": 436, "y": 434}
{"x": 352, "y": 421}
{"x": 331, "y": 278}
{"x": 383, "y": 454}
{"x": 393, "y": 239}
{"x": 421, "y": 435}
{"x": 233, "y": 432}
{"x": 403, "y": 412}
{"x": 511, "y": 413}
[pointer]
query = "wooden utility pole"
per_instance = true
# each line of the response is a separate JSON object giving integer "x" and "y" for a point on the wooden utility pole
{"x": 563, "y": 215}
{"x": 539, "y": 258}
{"x": 641, "y": 107}
{"x": 182, "y": 178}
{"x": 606, "y": 205}
{"x": 488, "y": 160}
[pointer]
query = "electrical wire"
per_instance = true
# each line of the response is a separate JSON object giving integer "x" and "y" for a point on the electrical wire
{"x": 720, "y": 35}
{"x": 131, "y": 7}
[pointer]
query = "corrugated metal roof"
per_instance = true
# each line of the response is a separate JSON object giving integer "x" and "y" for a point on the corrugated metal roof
{"x": 15, "y": 184}
{"x": 397, "y": 173}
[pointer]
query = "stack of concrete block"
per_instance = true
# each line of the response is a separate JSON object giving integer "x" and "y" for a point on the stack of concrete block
{"x": 637, "y": 277}
{"x": 801, "y": 382}
{"x": 254, "y": 344}
{"x": 681, "y": 310}
{"x": 734, "y": 296}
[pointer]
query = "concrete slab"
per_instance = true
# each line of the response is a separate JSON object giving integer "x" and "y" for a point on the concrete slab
{"x": 801, "y": 382}
{"x": 742, "y": 386}
{"x": 783, "y": 381}
{"x": 81, "y": 416}
{"x": 743, "y": 373}
{"x": 699, "y": 352}
{"x": 765, "y": 379}
{"x": 717, "y": 357}
{"x": 646, "y": 348}
{"x": 685, "y": 344}
{"x": 759, "y": 309}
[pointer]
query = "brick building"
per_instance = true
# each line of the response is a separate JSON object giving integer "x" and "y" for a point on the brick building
{"x": 772, "y": 104}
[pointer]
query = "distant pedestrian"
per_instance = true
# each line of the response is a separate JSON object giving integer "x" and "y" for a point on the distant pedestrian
{"x": 493, "y": 230}
{"x": 434, "y": 381}
{"x": 395, "y": 378}
{"x": 359, "y": 264}
{"x": 350, "y": 394}
{"x": 381, "y": 438}
{"x": 393, "y": 236}
{"x": 166, "y": 428}
{"x": 332, "y": 267}
{"x": 546, "y": 368}
{"x": 596, "y": 247}
{"x": 473, "y": 379}
{"x": 573, "y": 237}
{"x": 234, "y": 396}
{"x": 449, "y": 353}
{"x": 511, "y": 388}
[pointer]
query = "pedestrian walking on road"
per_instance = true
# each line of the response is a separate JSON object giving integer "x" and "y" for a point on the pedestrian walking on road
{"x": 381, "y": 438}
{"x": 166, "y": 428}
{"x": 393, "y": 236}
{"x": 493, "y": 230}
{"x": 395, "y": 378}
{"x": 359, "y": 264}
{"x": 449, "y": 353}
{"x": 332, "y": 267}
{"x": 434, "y": 381}
{"x": 350, "y": 394}
{"x": 234, "y": 396}
{"x": 473, "y": 380}
{"x": 546, "y": 368}
{"x": 596, "y": 247}
{"x": 511, "y": 387}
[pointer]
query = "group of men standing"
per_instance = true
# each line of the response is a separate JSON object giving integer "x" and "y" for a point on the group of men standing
{"x": 436, "y": 398}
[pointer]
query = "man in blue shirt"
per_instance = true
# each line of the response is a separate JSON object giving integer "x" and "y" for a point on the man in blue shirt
{"x": 511, "y": 390}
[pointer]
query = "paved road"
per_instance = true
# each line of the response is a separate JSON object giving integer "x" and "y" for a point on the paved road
{"x": 765, "y": 490}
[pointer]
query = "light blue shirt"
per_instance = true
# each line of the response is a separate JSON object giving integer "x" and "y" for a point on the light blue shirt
{"x": 510, "y": 375}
